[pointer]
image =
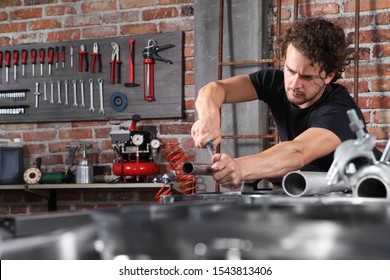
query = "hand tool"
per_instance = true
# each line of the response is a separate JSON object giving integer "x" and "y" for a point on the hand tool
{"x": 59, "y": 92}
{"x": 131, "y": 82}
{"x": 51, "y": 92}
{"x": 150, "y": 54}
{"x": 37, "y": 94}
{"x": 57, "y": 58}
{"x": 13, "y": 110}
{"x": 44, "y": 90}
{"x": 71, "y": 52}
{"x": 63, "y": 57}
{"x": 115, "y": 64}
{"x": 16, "y": 62}
{"x": 96, "y": 59}
{"x": 209, "y": 146}
{"x": 83, "y": 58}
{"x": 1, "y": 67}
{"x": 16, "y": 94}
{"x": 66, "y": 93}
{"x": 50, "y": 59}
{"x": 82, "y": 94}
{"x": 74, "y": 93}
{"x": 41, "y": 59}
{"x": 118, "y": 101}
{"x": 33, "y": 61}
{"x": 7, "y": 65}
{"x": 101, "y": 111}
{"x": 24, "y": 62}
{"x": 91, "y": 108}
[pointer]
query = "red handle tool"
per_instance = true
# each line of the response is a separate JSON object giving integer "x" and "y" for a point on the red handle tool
{"x": 33, "y": 60}
{"x": 41, "y": 59}
{"x": 83, "y": 53}
{"x": 96, "y": 59}
{"x": 24, "y": 62}
{"x": 16, "y": 62}
{"x": 131, "y": 82}
{"x": 115, "y": 64}
{"x": 50, "y": 59}
{"x": 57, "y": 58}
{"x": 63, "y": 57}
{"x": 7, "y": 64}
{"x": 1, "y": 65}
{"x": 149, "y": 79}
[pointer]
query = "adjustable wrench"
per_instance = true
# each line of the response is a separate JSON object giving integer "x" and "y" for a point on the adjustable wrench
{"x": 101, "y": 111}
{"x": 59, "y": 92}
{"x": 82, "y": 94}
{"x": 91, "y": 108}
{"x": 74, "y": 93}
{"x": 66, "y": 93}
{"x": 51, "y": 92}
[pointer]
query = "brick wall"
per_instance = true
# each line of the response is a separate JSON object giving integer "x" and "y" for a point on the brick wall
{"x": 32, "y": 21}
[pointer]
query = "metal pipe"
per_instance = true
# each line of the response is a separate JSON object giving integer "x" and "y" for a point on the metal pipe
{"x": 373, "y": 181}
{"x": 299, "y": 183}
{"x": 196, "y": 168}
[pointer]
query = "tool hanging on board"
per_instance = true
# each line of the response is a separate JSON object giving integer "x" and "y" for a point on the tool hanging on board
{"x": 33, "y": 61}
{"x": 71, "y": 52}
{"x": 24, "y": 62}
{"x": 150, "y": 54}
{"x": 41, "y": 59}
{"x": 96, "y": 59}
{"x": 1, "y": 67}
{"x": 83, "y": 59}
{"x": 131, "y": 82}
{"x": 16, "y": 62}
{"x": 63, "y": 57}
{"x": 57, "y": 56}
{"x": 7, "y": 64}
{"x": 50, "y": 59}
{"x": 115, "y": 64}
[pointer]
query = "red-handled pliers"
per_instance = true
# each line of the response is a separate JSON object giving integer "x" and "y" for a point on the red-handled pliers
{"x": 96, "y": 59}
{"x": 83, "y": 53}
{"x": 115, "y": 64}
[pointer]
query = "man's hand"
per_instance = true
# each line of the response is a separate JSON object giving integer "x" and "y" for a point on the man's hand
{"x": 204, "y": 131}
{"x": 226, "y": 171}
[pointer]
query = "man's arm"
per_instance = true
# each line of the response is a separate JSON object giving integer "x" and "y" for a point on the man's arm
{"x": 277, "y": 160}
{"x": 209, "y": 101}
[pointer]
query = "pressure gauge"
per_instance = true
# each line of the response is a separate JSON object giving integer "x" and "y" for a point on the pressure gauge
{"x": 137, "y": 139}
{"x": 155, "y": 143}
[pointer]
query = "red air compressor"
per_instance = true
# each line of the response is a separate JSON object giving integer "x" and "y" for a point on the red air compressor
{"x": 135, "y": 152}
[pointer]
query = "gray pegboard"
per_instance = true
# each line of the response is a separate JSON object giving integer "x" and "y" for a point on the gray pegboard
{"x": 168, "y": 82}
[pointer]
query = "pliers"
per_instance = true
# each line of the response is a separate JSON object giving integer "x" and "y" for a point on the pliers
{"x": 96, "y": 59}
{"x": 115, "y": 64}
{"x": 83, "y": 53}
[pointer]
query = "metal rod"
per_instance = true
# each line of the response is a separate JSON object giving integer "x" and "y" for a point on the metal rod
{"x": 196, "y": 168}
{"x": 295, "y": 10}
{"x": 356, "y": 62}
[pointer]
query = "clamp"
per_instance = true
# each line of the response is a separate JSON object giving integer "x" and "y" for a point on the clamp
{"x": 96, "y": 59}
{"x": 83, "y": 53}
{"x": 115, "y": 64}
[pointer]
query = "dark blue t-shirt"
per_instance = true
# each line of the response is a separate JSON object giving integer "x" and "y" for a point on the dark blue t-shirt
{"x": 329, "y": 112}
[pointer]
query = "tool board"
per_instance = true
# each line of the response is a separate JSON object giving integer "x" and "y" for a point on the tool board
{"x": 18, "y": 101}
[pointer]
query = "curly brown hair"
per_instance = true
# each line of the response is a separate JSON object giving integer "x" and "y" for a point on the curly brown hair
{"x": 320, "y": 40}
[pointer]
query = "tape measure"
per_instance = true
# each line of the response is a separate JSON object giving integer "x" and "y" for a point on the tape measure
{"x": 32, "y": 176}
{"x": 118, "y": 101}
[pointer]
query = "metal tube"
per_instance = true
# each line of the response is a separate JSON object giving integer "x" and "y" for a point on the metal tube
{"x": 196, "y": 168}
{"x": 373, "y": 181}
{"x": 297, "y": 184}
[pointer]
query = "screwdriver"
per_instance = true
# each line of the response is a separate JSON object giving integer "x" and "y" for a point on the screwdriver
{"x": 33, "y": 60}
{"x": 57, "y": 56}
{"x": 24, "y": 61}
{"x": 209, "y": 146}
{"x": 16, "y": 62}
{"x": 41, "y": 59}
{"x": 1, "y": 66}
{"x": 7, "y": 65}
{"x": 50, "y": 59}
{"x": 63, "y": 57}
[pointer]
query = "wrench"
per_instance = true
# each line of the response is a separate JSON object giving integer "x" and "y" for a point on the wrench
{"x": 82, "y": 94}
{"x": 51, "y": 92}
{"x": 74, "y": 93}
{"x": 59, "y": 92}
{"x": 91, "y": 108}
{"x": 44, "y": 91}
{"x": 37, "y": 94}
{"x": 66, "y": 92}
{"x": 101, "y": 111}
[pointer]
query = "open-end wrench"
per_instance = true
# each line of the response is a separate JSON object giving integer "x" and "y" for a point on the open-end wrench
{"x": 91, "y": 108}
{"x": 66, "y": 93}
{"x": 37, "y": 94}
{"x": 101, "y": 111}
{"x": 51, "y": 92}
{"x": 59, "y": 92}
{"x": 74, "y": 93}
{"x": 82, "y": 94}
{"x": 44, "y": 91}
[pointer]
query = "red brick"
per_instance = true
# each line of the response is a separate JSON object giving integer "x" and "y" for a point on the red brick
{"x": 68, "y": 195}
{"x": 79, "y": 21}
{"x": 45, "y": 24}
{"x": 18, "y": 209}
{"x": 88, "y": 123}
{"x": 189, "y": 79}
{"x": 13, "y": 27}
{"x": 27, "y": 38}
{"x": 102, "y": 132}
{"x": 131, "y": 4}
{"x": 60, "y": 147}
{"x": 187, "y": 11}
{"x": 48, "y": 160}
{"x": 58, "y": 10}
{"x": 369, "y": 36}
{"x": 189, "y": 65}
{"x": 179, "y": 25}
{"x": 123, "y": 195}
{"x": 34, "y": 148}
{"x": 39, "y": 2}
{"x": 189, "y": 51}
{"x": 189, "y": 104}
{"x": 381, "y": 85}
{"x": 27, "y": 13}
{"x": 368, "y": 5}
{"x": 369, "y": 70}
{"x": 95, "y": 196}
{"x": 82, "y": 207}
{"x": 52, "y": 125}
{"x": 99, "y": 6}
{"x": 75, "y": 134}
{"x": 66, "y": 35}
{"x": 10, "y": 3}
{"x": 319, "y": 9}
{"x": 362, "y": 86}
{"x": 172, "y": 2}
{"x": 382, "y": 19}
{"x": 5, "y": 41}
{"x": 379, "y": 132}
{"x": 188, "y": 143}
{"x": 374, "y": 102}
{"x": 175, "y": 129}
{"x": 37, "y": 208}
{"x": 161, "y": 13}
{"x": 136, "y": 29}
{"x": 100, "y": 32}
{"x": 381, "y": 50}
{"x": 39, "y": 136}
{"x": 32, "y": 197}
{"x": 120, "y": 17}
{"x": 3, "y": 16}
{"x": 4, "y": 210}
{"x": 382, "y": 117}
{"x": 12, "y": 196}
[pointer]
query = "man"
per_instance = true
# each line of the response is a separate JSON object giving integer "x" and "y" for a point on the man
{"x": 308, "y": 107}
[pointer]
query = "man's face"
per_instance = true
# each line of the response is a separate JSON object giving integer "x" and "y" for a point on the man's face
{"x": 304, "y": 83}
